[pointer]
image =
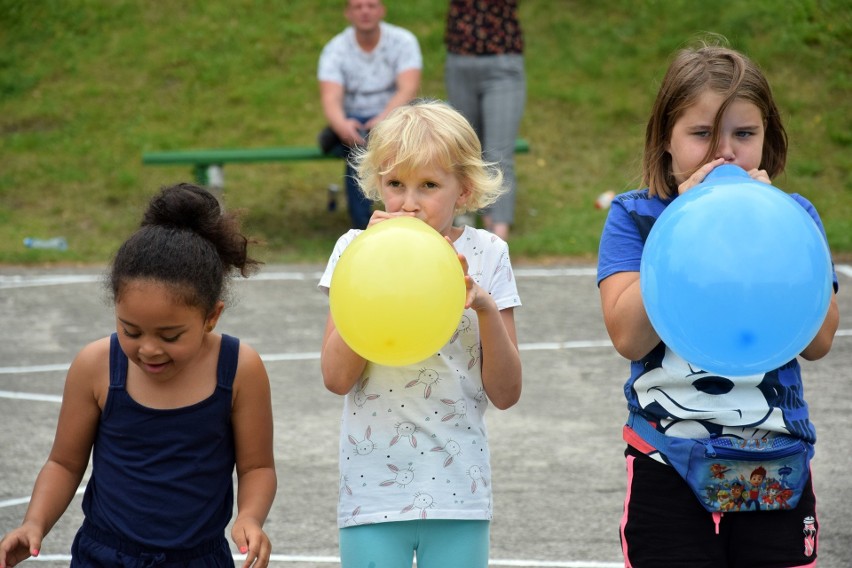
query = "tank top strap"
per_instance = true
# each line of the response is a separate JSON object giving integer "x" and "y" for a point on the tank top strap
{"x": 117, "y": 363}
{"x": 117, "y": 376}
{"x": 229, "y": 354}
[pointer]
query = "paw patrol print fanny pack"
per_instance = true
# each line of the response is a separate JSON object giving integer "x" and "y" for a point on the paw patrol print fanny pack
{"x": 730, "y": 474}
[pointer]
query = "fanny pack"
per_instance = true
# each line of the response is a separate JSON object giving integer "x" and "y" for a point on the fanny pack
{"x": 730, "y": 474}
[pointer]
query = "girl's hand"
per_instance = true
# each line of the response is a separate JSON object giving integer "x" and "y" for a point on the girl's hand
{"x": 378, "y": 216}
{"x": 703, "y": 171}
{"x": 20, "y": 544}
{"x": 476, "y": 298}
{"x": 699, "y": 175}
{"x": 760, "y": 175}
{"x": 500, "y": 363}
{"x": 253, "y": 542}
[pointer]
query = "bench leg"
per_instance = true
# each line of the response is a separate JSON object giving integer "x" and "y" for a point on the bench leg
{"x": 215, "y": 177}
{"x": 211, "y": 176}
{"x": 199, "y": 172}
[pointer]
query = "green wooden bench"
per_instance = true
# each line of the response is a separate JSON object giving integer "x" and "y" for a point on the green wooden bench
{"x": 207, "y": 164}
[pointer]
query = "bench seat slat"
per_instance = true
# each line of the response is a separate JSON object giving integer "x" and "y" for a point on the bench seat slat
{"x": 223, "y": 156}
{"x": 279, "y": 154}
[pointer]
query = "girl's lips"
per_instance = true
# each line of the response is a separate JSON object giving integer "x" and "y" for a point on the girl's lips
{"x": 154, "y": 368}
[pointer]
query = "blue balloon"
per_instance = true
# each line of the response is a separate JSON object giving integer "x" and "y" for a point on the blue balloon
{"x": 735, "y": 275}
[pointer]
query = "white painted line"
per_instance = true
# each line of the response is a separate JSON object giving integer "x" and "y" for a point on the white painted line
{"x": 34, "y": 369}
{"x": 556, "y": 564}
{"x": 290, "y": 357}
{"x": 557, "y": 345}
{"x": 292, "y": 558}
{"x": 312, "y": 276}
{"x": 30, "y": 396}
{"x": 25, "y": 281}
{"x": 551, "y": 272}
{"x": 24, "y": 500}
{"x": 312, "y": 355}
{"x": 21, "y": 281}
{"x": 12, "y": 502}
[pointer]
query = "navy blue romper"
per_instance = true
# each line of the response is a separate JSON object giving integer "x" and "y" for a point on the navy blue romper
{"x": 161, "y": 491}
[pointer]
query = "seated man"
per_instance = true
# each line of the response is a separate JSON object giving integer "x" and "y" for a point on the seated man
{"x": 365, "y": 71}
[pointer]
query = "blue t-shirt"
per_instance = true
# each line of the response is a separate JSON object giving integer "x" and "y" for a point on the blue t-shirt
{"x": 683, "y": 400}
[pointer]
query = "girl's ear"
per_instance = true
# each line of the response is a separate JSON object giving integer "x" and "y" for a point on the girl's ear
{"x": 465, "y": 194}
{"x": 213, "y": 318}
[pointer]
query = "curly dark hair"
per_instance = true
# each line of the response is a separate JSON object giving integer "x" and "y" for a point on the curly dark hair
{"x": 185, "y": 240}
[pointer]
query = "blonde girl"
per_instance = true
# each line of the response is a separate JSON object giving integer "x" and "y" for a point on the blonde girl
{"x": 415, "y": 472}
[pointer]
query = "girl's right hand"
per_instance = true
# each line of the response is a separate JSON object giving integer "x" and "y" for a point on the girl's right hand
{"x": 19, "y": 545}
{"x": 378, "y": 216}
{"x": 699, "y": 175}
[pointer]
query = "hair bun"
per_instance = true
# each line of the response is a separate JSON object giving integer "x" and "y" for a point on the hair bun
{"x": 184, "y": 206}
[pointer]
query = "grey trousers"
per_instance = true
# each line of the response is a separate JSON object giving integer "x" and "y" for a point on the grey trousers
{"x": 490, "y": 91}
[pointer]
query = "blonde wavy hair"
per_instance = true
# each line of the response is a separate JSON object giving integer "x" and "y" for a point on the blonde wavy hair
{"x": 428, "y": 133}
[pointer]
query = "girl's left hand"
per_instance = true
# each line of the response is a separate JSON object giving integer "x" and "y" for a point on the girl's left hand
{"x": 760, "y": 175}
{"x": 253, "y": 542}
{"x": 476, "y": 298}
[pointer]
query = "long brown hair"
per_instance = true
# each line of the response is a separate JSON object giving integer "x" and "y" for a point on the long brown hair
{"x": 691, "y": 72}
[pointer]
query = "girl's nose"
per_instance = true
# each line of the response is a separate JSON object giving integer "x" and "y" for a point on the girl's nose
{"x": 410, "y": 204}
{"x": 149, "y": 348}
{"x": 725, "y": 151}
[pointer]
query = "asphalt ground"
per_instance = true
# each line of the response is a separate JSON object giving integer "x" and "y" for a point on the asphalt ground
{"x": 557, "y": 461}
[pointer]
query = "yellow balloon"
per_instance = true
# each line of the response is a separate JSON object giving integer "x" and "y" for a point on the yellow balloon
{"x": 397, "y": 293}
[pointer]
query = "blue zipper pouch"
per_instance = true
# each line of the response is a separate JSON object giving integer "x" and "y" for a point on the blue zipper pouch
{"x": 729, "y": 474}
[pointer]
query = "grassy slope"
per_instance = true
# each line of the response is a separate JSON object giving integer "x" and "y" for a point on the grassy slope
{"x": 87, "y": 85}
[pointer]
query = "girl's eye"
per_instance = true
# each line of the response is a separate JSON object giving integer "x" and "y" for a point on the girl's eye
{"x": 744, "y": 134}
{"x": 170, "y": 339}
{"x": 430, "y": 184}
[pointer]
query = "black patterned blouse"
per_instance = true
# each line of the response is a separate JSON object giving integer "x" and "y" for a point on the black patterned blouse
{"x": 484, "y": 27}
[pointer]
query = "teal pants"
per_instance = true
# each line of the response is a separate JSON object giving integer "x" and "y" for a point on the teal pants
{"x": 438, "y": 543}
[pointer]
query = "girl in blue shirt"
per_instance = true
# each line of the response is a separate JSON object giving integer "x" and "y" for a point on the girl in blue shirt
{"x": 714, "y": 107}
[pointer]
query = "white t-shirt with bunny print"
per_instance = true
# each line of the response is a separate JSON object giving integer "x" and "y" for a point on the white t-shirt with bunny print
{"x": 413, "y": 441}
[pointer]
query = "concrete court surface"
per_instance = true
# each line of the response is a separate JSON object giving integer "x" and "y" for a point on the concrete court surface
{"x": 557, "y": 463}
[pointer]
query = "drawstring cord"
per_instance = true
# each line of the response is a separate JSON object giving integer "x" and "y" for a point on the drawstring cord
{"x": 717, "y": 519}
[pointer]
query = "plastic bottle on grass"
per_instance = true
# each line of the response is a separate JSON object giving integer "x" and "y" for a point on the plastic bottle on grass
{"x": 604, "y": 200}
{"x": 333, "y": 191}
{"x": 56, "y": 243}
